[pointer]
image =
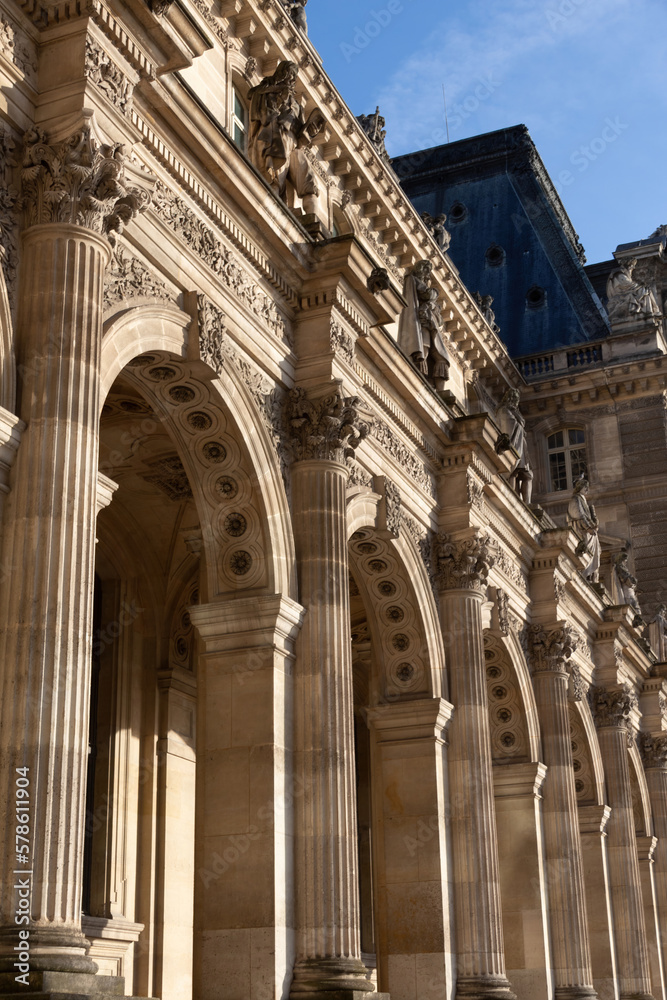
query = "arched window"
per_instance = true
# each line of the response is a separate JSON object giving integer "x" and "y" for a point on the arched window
{"x": 567, "y": 457}
{"x": 240, "y": 120}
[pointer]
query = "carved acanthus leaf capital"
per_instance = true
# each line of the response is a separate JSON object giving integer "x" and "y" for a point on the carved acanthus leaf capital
{"x": 550, "y": 649}
{"x": 462, "y": 564}
{"x": 329, "y": 427}
{"x": 612, "y": 709}
{"x": 79, "y": 181}
{"x": 653, "y": 750}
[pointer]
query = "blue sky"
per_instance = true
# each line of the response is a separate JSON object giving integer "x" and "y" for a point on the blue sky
{"x": 588, "y": 78}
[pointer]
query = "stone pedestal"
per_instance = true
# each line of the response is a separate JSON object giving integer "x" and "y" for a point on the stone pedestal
{"x": 462, "y": 568}
{"x": 411, "y": 854}
{"x": 593, "y": 821}
{"x": 612, "y": 711}
{"x": 549, "y": 650}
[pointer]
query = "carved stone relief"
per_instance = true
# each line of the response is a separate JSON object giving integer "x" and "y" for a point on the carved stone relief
{"x": 107, "y": 77}
{"x": 9, "y": 197}
{"x": 341, "y": 341}
{"x": 19, "y": 49}
{"x": 509, "y": 735}
{"x": 464, "y": 564}
{"x": 128, "y": 278}
{"x": 415, "y": 468}
{"x": 549, "y": 649}
{"x": 612, "y": 708}
{"x": 328, "y": 427}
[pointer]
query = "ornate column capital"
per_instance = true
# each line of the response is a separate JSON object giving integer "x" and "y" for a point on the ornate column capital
{"x": 79, "y": 181}
{"x": 653, "y": 750}
{"x": 549, "y": 648}
{"x": 462, "y": 564}
{"x": 328, "y": 427}
{"x": 612, "y": 709}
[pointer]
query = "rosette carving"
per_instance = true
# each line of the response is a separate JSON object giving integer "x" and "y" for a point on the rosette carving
{"x": 330, "y": 427}
{"x": 462, "y": 564}
{"x": 78, "y": 181}
{"x": 612, "y": 708}
{"x": 550, "y": 649}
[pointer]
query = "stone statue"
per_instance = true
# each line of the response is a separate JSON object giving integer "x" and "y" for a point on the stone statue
{"x": 582, "y": 518}
{"x": 373, "y": 126}
{"x": 657, "y": 633}
{"x": 513, "y": 434}
{"x": 436, "y": 228}
{"x": 297, "y": 11}
{"x": 420, "y": 327}
{"x": 279, "y": 134}
{"x": 627, "y": 298}
{"x": 484, "y": 303}
{"x": 625, "y": 585}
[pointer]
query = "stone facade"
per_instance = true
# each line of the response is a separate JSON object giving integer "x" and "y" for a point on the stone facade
{"x": 302, "y": 684}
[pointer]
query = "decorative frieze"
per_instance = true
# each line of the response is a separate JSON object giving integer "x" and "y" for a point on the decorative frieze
{"x": 549, "y": 649}
{"x": 392, "y": 502}
{"x": 406, "y": 458}
{"x": 128, "y": 278}
{"x": 653, "y": 750}
{"x": 101, "y": 70}
{"x": 9, "y": 197}
{"x": 204, "y": 243}
{"x": 78, "y": 181}
{"x": 612, "y": 708}
{"x": 19, "y": 49}
{"x": 330, "y": 427}
{"x": 511, "y": 570}
{"x": 341, "y": 341}
{"x": 463, "y": 564}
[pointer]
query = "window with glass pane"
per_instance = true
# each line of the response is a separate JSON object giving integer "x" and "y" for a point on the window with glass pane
{"x": 239, "y": 121}
{"x": 567, "y": 457}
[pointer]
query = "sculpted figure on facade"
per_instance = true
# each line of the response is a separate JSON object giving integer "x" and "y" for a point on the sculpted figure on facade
{"x": 628, "y": 298}
{"x": 279, "y": 134}
{"x": 420, "y": 327}
{"x": 373, "y": 126}
{"x": 436, "y": 227}
{"x": 656, "y": 633}
{"x": 297, "y": 11}
{"x": 625, "y": 585}
{"x": 485, "y": 303}
{"x": 582, "y": 518}
{"x": 513, "y": 435}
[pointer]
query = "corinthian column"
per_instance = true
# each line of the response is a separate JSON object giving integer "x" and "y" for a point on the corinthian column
{"x": 654, "y": 755}
{"x": 328, "y": 949}
{"x": 612, "y": 712}
{"x": 549, "y": 650}
{"x": 462, "y": 568}
{"x": 74, "y": 193}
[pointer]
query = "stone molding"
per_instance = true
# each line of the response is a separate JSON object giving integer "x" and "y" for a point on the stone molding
{"x": 462, "y": 564}
{"x": 78, "y": 181}
{"x": 653, "y": 750}
{"x": 103, "y": 72}
{"x": 549, "y": 648}
{"x": 327, "y": 428}
{"x": 9, "y": 203}
{"x": 612, "y": 709}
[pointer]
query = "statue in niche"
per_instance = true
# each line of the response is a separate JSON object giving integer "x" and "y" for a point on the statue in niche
{"x": 628, "y": 298}
{"x": 484, "y": 303}
{"x": 297, "y": 11}
{"x": 279, "y": 134}
{"x": 436, "y": 228}
{"x": 657, "y": 633}
{"x": 513, "y": 435}
{"x": 420, "y": 327}
{"x": 582, "y": 518}
{"x": 625, "y": 585}
{"x": 373, "y": 126}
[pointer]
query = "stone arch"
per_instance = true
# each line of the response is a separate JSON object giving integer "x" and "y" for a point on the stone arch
{"x": 7, "y": 359}
{"x": 402, "y": 616}
{"x": 588, "y": 753}
{"x": 641, "y": 802}
{"x": 149, "y": 344}
{"x": 508, "y": 724}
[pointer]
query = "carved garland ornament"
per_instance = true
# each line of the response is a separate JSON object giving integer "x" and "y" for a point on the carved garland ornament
{"x": 78, "y": 181}
{"x": 612, "y": 708}
{"x": 462, "y": 565}
{"x": 326, "y": 428}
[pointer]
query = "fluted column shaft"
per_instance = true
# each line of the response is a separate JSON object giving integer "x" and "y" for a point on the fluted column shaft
{"x": 573, "y": 976}
{"x": 656, "y": 778}
{"x": 630, "y": 931}
{"x": 479, "y": 933}
{"x": 325, "y": 829}
{"x": 46, "y": 618}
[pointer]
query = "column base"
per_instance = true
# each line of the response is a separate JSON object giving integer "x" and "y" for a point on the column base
{"x": 574, "y": 992}
{"x": 330, "y": 979}
{"x": 69, "y": 985}
{"x": 484, "y": 988}
{"x": 637, "y": 996}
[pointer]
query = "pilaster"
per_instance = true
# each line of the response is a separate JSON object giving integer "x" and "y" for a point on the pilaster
{"x": 654, "y": 755}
